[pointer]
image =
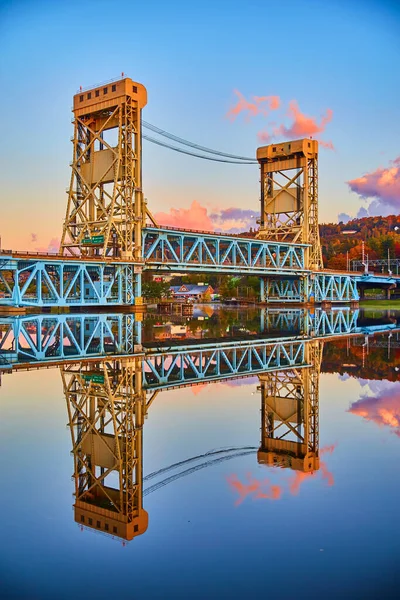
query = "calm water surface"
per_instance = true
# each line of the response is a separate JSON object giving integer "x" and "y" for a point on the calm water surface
{"x": 282, "y": 484}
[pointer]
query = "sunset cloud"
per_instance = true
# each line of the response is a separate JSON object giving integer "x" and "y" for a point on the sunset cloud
{"x": 301, "y": 126}
{"x": 383, "y": 409}
{"x": 197, "y": 216}
{"x": 262, "y": 489}
{"x": 254, "y": 488}
{"x": 257, "y": 105}
{"x": 383, "y": 186}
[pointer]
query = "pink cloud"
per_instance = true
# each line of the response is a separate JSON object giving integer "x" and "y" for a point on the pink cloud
{"x": 229, "y": 220}
{"x": 302, "y": 126}
{"x": 262, "y": 489}
{"x": 252, "y": 108}
{"x": 383, "y": 410}
{"x": 383, "y": 185}
{"x": 254, "y": 488}
{"x": 195, "y": 217}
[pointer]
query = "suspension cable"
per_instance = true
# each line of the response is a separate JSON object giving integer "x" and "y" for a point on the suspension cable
{"x": 197, "y": 146}
{"x": 182, "y": 151}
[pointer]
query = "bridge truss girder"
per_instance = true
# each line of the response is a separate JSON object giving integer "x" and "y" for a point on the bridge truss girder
{"x": 40, "y": 340}
{"x": 166, "y": 249}
{"x": 334, "y": 288}
{"x": 54, "y": 282}
{"x": 53, "y": 338}
{"x": 213, "y": 362}
{"x": 314, "y": 287}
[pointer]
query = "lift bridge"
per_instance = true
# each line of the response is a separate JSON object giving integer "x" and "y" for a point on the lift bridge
{"x": 109, "y": 235}
{"x": 110, "y": 380}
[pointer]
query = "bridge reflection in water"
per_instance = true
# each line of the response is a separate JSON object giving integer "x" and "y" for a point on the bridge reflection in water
{"x": 110, "y": 378}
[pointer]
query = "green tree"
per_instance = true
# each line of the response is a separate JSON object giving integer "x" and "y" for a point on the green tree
{"x": 155, "y": 289}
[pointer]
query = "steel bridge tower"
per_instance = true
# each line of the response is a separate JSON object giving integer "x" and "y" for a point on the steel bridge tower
{"x": 105, "y": 210}
{"x": 289, "y": 201}
{"x": 106, "y": 406}
{"x": 290, "y": 414}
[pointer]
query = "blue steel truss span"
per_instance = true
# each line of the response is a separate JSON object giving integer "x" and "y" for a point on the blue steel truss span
{"x": 223, "y": 360}
{"x": 35, "y": 339}
{"x": 176, "y": 250}
{"x": 59, "y": 281}
{"x": 327, "y": 287}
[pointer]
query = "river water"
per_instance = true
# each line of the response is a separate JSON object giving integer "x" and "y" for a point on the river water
{"x": 265, "y": 459}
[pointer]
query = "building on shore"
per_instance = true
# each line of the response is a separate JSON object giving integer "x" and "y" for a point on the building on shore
{"x": 198, "y": 292}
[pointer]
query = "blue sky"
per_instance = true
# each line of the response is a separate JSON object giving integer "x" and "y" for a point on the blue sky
{"x": 338, "y": 55}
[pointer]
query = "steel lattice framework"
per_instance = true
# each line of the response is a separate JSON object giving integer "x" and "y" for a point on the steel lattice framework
{"x": 105, "y": 202}
{"x": 167, "y": 249}
{"x": 106, "y": 408}
{"x": 27, "y": 340}
{"x": 220, "y": 361}
{"x": 334, "y": 288}
{"x": 73, "y": 282}
{"x": 289, "y": 202}
{"x": 290, "y": 414}
{"x": 314, "y": 287}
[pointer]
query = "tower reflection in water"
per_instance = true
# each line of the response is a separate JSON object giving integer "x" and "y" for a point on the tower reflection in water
{"x": 106, "y": 406}
{"x": 107, "y": 402}
{"x": 290, "y": 414}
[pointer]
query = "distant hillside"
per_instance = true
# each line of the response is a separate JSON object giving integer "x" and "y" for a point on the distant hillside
{"x": 379, "y": 235}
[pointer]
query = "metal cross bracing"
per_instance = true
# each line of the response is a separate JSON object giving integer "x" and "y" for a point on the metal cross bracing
{"x": 219, "y": 361}
{"x": 106, "y": 408}
{"x": 333, "y": 323}
{"x": 312, "y": 287}
{"x": 106, "y": 209}
{"x": 290, "y": 414}
{"x": 312, "y": 323}
{"x": 290, "y": 320}
{"x": 48, "y": 282}
{"x": 55, "y": 338}
{"x": 107, "y": 221}
{"x": 167, "y": 249}
{"x": 334, "y": 288}
{"x": 283, "y": 290}
{"x": 289, "y": 196}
